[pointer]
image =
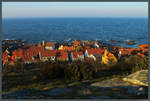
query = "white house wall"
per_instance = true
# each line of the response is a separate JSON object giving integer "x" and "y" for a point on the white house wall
{"x": 86, "y": 53}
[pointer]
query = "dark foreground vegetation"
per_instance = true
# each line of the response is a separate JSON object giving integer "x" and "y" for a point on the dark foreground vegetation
{"x": 55, "y": 73}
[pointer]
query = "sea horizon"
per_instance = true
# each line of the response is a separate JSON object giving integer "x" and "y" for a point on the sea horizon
{"x": 134, "y": 17}
{"x": 35, "y": 30}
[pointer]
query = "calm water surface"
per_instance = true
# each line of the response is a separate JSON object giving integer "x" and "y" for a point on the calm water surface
{"x": 56, "y": 29}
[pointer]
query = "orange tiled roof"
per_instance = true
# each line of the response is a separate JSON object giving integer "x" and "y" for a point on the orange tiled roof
{"x": 126, "y": 51}
{"x": 139, "y": 54}
{"x": 13, "y": 57}
{"x": 4, "y": 54}
{"x": 143, "y": 46}
{"x": 68, "y": 48}
{"x": 48, "y": 53}
{"x": 32, "y": 51}
{"x": 26, "y": 57}
{"x": 76, "y": 54}
{"x": 129, "y": 49}
{"x": 95, "y": 51}
{"x": 18, "y": 53}
{"x": 49, "y": 44}
{"x": 63, "y": 55}
{"x": 5, "y": 57}
{"x": 76, "y": 42}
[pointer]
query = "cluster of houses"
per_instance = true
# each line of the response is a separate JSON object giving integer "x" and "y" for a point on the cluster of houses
{"x": 142, "y": 50}
{"x": 47, "y": 51}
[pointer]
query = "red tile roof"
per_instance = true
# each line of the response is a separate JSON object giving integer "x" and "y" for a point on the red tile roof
{"x": 63, "y": 55}
{"x": 95, "y": 51}
{"x": 49, "y": 44}
{"x": 77, "y": 54}
{"x": 4, "y": 54}
{"x": 27, "y": 57}
{"x": 32, "y": 51}
{"x": 5, "y": 57}
{"x": 60, "y": 54}
{"x": 145, "y": 50}
{"x": 68, "y": 48}
{"x": 143, "y": 46}
{"x": 47, "y": 53}
{"x": 18, "y": 53}
{"x": 76, "y": 43}
{"x": 139, "y": 54}
{"x": 13, "y": 57}
{"x": 126, "y": 51}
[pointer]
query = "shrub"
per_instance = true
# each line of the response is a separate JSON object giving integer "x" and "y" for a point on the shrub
{"x": 131, "y": 64}
{"x": 77, "y": 71}
{"x": 17, "y": 68}
{"x": 5, "y": 69}
{"x": 51, "y": 70}
{"x": 140, "y": 63}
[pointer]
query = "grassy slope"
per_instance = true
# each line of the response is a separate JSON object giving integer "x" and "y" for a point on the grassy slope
{"x": 32, "y": 80}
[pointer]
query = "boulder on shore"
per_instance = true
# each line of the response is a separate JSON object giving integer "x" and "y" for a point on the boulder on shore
{"x": 138, "y": 78}
{"x": 130, "y": 42}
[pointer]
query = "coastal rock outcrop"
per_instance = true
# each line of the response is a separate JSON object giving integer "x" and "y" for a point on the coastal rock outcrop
{"x": 138, "y": 78}
{"x": 130, "y": 42}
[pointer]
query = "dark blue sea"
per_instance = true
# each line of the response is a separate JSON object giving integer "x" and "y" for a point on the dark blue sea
{"x": 57, "y": 29}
